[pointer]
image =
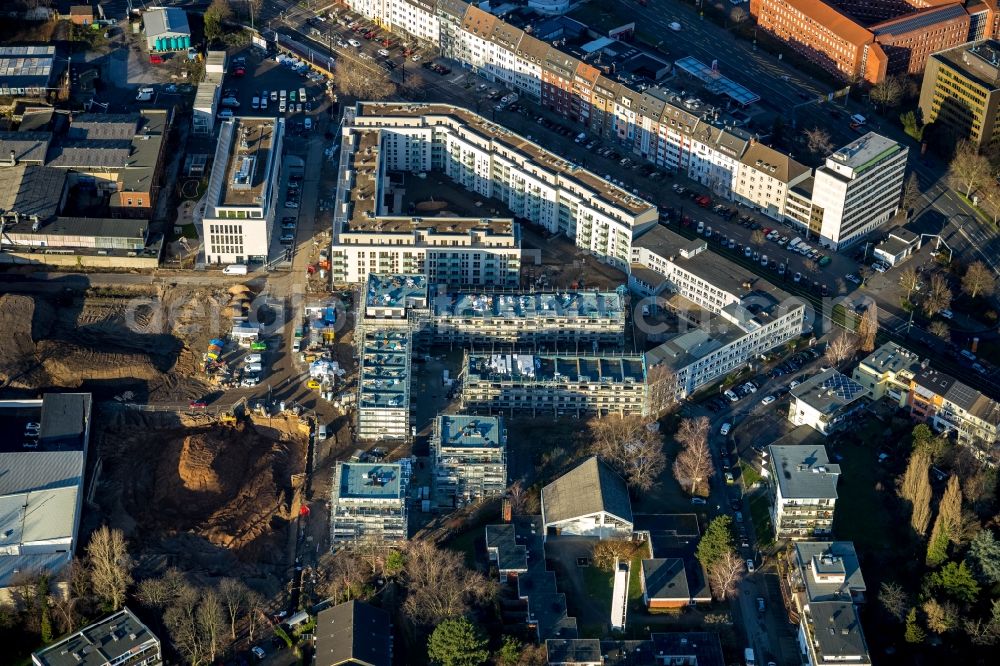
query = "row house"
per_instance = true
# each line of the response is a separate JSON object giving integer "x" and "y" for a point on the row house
{"x": 415, "y": 17}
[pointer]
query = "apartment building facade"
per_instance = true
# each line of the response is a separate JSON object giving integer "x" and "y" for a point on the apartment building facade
{"x": 552, "y": 384}
{"x": 826, "y": 402}
{"x": 930, "y": 396}
{"x": 804, "y": 490}
{"x": 469, "y": 455}
{"x": 369, "y": 503}
{"x": 492, "y": 162}
{"x": 242, "y": 191}
{"x": 120, "y": 639}
{"x": 670, "y": 130}
{"x": 960, "y": 92}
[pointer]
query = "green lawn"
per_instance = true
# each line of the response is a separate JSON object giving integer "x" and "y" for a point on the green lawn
{"x": 861, "y": 515}
{"x": 599, "y": 585}
{"x": 760, "y": 514}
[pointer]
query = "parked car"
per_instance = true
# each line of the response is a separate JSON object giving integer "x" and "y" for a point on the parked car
{"x": 724, "y": 430}
{"x": 698, "y": 500}
{"x": 768, "y": 399}
{"x": 750, "y": 566}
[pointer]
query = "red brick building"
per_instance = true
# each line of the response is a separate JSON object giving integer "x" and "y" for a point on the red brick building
{"x": 872, "y": 39}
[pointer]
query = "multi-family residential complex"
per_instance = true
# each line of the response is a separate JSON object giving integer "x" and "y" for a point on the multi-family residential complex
{"x": 437, "y": 315}
{"x": 826, "y": 401}
{"x": 558, "y": 385}
{"x": 855, "y": 191}
{"x": 727, "y": 315}
{"x": 674, "y": 131}
{"x": 242, "y": 191}
{"x": 384, "y": 385}
{"x": 860, "y": 39}
{"x": 804, "y": 488}
{"x": 482, "y": 157}
{"x": 897, "y": 374}
{"x": 826, "y": 585}
{"x": 960, "y": 92}
{"x": 369, "y": 503}
{"x": 469, "y": 455}
{"x": 120, "y": 639}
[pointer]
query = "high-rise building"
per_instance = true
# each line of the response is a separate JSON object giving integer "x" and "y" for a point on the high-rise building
{"x": 960, "y": 93}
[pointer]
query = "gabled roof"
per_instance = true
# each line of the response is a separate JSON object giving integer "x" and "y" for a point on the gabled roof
{"x": 591, "y": 487}
{"x": 355, "y": 633}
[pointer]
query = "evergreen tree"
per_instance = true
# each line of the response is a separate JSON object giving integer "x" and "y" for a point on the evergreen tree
{"x": 457, "y": 643}
{"x": 914, "y": 633}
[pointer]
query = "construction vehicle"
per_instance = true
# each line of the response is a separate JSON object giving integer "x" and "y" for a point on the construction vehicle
{"x": 231, "y": 417}
{"x": 313, "y": 384}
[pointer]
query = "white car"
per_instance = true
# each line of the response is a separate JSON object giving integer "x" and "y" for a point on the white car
{"x": 258, "y": 652}
{"x": 750, "y": 566}
{"x": 252, "y": 358}
{"x": 750, "y": 387}
{"x": 732, "y": 396}
{"x": 353, "y": 42}
{"x": 851, "y": 277}
{"x": 794, "y": 383}
{"x": 724, "y": 430}
{"x": 383, "y": 52}
{"x": 880, "y": 267}
{"x": 698, "y": 500}
{"x": 768, "y": 399}
{"x": 675, "y": 26}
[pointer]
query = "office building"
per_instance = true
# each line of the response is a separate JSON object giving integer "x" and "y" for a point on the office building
{"x": 469, "y": 458}
{"x": 41, "y": 484}
{"x": 946, "y": 404}
{"x": 857, "y": 190}
{"x": 558, "y": 385}
{"x": 353, "y": 634}
{"x": 826, "y": 401}
{"x": 960, "y": 93}
{"x": 242, "y": 193}
{"x": 384, "y": 386}
{"x": 852, "y": 39}
{"x": 120, "y": 639}
{"x": 369, "y": 503}
{"x": 726, "y": 314}
{"x": 589, "y": 500}
{"x": 804, "y": 490}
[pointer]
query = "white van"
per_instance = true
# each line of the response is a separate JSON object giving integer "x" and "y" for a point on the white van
{"x": 302, "y": 94}
{"x": 792, "y": 243}
{"x": 251, "y": 359}
{"x": 225, "y": 114}
{"x": 144, "y": 94}
{"x": 255, "y": 103}
{"x": 253, "y": 368}
{"x": 307, "y": 124}
{"x": 322, "y": 431}
{"x": 235, "y": 269}
{"x": 283, "y": 96}
{"x": 859, "y": 119}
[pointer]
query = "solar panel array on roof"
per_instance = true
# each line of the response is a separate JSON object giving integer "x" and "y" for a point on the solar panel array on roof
{"x": 845, "y": 387}
{"x": 920, "y": 20}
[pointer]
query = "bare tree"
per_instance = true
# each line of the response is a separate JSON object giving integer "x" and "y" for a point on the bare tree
{"x": 938, "y": 296}
{"x": 989, "y": 192}
{"x": 908, "y": 279}
{"x": 368, "y": 83}
{"x": 888, "y": 92}
{"x": 211, "y": 622}
{"x": 233, "y": 593}
{"x": 916, "y": 490}
{"x": 738, "y": 15}
{"x": 632, "y": 446}
{"x": 894, "y": 600}
{"x": 181, "y": 621}
{"x": 342, "y": 576}
{"x": 693, "y": 463}
{"x": 372, "y": 554}
{"x": 110, "y": 566}
{"x": 818, "y": 141}
{"x": 968, "y": 169}
{"x": 868, "y": 328}
{"x": 154, "y": 592}
{"x": 608, "y": 551}
{"x": 911, "y": 193}
{"x": 841, "y": 348}
{"x": 254, "y": 603}
{"x": 725, "y": 573}
{"x": 941, "y": 617}
{"x": 940, "y": 329}
{"x": 978, "y": 280}
{"x": 439, "y": 586}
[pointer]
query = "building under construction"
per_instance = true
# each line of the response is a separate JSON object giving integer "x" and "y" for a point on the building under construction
{"x": 469, "y": 455}
{"x": 384, "y": 386}
{"x": 556, "y": 385}
{"x": 369, "y": 503}
{"x": 545, "y": 321}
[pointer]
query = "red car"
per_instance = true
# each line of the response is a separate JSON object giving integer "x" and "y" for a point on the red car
{"x": 704, "y": 201}
{"x": 198, "y": 404}
{"x": 239, "y": 71}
